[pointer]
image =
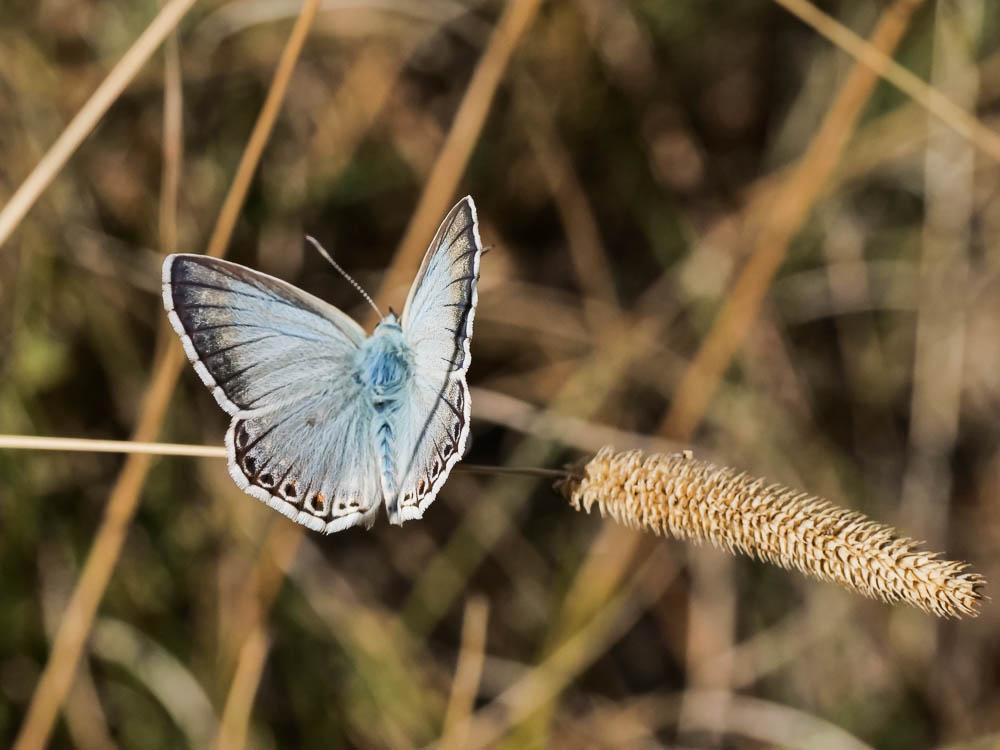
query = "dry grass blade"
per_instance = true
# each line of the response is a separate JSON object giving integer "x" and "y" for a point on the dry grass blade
{"x": 173, "y": 143}
{"x": 76, "y": 622}
{"x": 945, "y": 275}
{"x": 542, "y": 683}
{"x": 236, "y": 715}
{"x": 680, "y": 496}
{"x": 467, "y": 673}
{"x": 167, "y": 679}
{"x": 86, "y": 719}
{"x": 793, "y": 199}
{"x": 935, "y": 102}
{"x": 586, "y": 251}
{"x": 261, "y": 132}
{"x": 277, "y": 554}
{"x": 764, "y": 722}
{"x": 79, "y": 617}
{"x": 787, "y": 212}
{"x": 89, "y": 115}
{"x": 438, "y": 585}
{"x": 779, "y": 219}
{"x": 439, "y": 192}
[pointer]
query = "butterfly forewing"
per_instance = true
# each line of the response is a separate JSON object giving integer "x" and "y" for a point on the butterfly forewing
{"x": 256, "y": 341}
{"x": 437, "y": 324}
{"x": 281, "y": 362}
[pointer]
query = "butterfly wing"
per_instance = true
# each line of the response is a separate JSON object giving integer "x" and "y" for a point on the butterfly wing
{"x": 281, "y": 363}
{"x": 314, "y": 460}
{"x": 433, "y": 425}
{"x": 254, "y": 340}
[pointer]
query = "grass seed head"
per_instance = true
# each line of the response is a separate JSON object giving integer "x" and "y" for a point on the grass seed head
{"x": 683, "y": 497}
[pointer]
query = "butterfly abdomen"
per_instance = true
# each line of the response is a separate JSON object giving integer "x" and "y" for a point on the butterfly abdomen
{"x": 384, "y": 448}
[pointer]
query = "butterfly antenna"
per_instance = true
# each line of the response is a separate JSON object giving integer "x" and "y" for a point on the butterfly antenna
{"x": 322, "y": 251}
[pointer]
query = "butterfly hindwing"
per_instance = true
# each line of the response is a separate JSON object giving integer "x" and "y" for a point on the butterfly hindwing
{"x": 437, "y": 322}
{"x": 281, "y": 363}
{"x": 313, "y": 461}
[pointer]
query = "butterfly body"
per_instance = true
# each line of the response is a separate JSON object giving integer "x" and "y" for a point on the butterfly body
{"x": 384, "y": 364}
{"x": 384, "y": 371}
{"x": 328, "y": 423}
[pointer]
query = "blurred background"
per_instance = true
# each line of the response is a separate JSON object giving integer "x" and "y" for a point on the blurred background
{"x": 651, "y": 176}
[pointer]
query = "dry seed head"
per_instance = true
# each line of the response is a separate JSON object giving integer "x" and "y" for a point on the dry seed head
{"x": 680, "y": 496}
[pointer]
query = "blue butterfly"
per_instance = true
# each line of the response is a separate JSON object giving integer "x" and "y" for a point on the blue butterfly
{"x": 327, "y": 421}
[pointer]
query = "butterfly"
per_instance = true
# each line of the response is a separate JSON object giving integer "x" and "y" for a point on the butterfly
{"x": 328, "y": 422}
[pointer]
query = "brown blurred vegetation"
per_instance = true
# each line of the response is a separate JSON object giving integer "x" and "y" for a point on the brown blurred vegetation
{"x": 625, "y": 173}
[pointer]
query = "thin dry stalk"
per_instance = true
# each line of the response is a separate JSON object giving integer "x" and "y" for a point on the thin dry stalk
{"x": 939, "y": 360}
{"x": 584, "y": 435}
{"x": 445, "y": 576}
{"x": 90, "y": 114}
{"x": 90, "y": 445}
{"x": 50, "y": 692}
{"x": 543, "y": 682}
{"x": 586, "y": 251}
{"x": 439, "y": 191}
{"x": 86, "y": 719}
{"x": 236, "y": 715}
{"x": 787, "y": 212}
{"x": 766, "y": 723}
{"x": 467, "y": 673}
{"x": 799, "y": 189}
{"x": 683, "y": 497}
{"x": 262, "y": 129}
{"x": 173, "y": 143}
{"x": 276, "y": 556}
{"x": 867, "y": 53}
{"x": 75, "y": 625}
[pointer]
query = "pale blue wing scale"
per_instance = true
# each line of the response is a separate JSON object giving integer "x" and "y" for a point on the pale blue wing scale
{"x": 281, "y": 362}
{"x": 432, "y": 426}
{"x": 254, "y": 340}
